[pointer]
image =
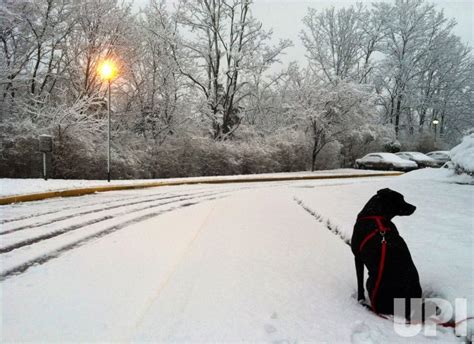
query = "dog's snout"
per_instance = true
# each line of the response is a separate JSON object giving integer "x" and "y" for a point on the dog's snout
{"x": 408, "y": 209}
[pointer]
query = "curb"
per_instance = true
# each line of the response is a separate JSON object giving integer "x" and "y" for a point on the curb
{"x": 90, "y": 190}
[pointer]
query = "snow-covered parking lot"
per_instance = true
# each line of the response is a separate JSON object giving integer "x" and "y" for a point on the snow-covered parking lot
{"x": 221, "y": 263}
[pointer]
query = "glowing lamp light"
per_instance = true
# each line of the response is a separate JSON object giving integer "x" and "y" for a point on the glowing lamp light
{"x": 435, "y": 121}
{"x": 108, "y": 70}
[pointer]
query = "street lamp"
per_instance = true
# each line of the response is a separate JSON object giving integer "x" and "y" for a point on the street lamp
{"x": 435, "y": 123}
{"x": 108, "y": 71}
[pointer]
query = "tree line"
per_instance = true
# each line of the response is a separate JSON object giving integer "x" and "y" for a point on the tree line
{"x": 199, "y": 93}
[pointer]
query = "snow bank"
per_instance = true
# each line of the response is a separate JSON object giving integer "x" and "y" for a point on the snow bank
{"x": 444, "y": 175}
{"x": 463, "y": 155}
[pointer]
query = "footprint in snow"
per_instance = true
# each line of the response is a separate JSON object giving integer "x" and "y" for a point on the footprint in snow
{"x": 361, "y": 333}
{"x": 272, "y": 331}
{"x": 269, "y": 328}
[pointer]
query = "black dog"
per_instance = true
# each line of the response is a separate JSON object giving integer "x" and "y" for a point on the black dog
{"x": 377, "y": 244}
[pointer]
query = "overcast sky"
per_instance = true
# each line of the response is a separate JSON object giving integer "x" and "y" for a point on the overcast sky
{"x": 284, "y": 17}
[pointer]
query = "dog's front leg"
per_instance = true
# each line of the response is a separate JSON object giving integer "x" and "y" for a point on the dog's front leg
{"x": 360, "y": 279}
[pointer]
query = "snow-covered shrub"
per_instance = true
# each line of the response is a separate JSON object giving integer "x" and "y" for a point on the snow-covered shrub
{"x": 426, "y": 143}
{"x": 214, "y": 158}
{"x": 291, "y": 156}
{"x": 19, "y": 153}
{"x": 392, "y": 146}
{"x": 330, "y": 157}
{"x": 20, "y": 158}
{"x": 200, "y": 156}
{"x": 422, "y": 142}
{"x": 462, "y": 155}
{"x": 358, "y": 143}
{"x": 254, "y": 158}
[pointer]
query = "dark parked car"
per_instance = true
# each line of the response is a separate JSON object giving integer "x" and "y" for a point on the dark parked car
{"x": 384, "y": 161}
{"x": 421, "y": 159}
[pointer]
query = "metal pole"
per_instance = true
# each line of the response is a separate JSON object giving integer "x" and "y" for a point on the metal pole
{"x": 435, "y": 132}
{"x": 108, "y": 138}
{"x": 45, "y": 176}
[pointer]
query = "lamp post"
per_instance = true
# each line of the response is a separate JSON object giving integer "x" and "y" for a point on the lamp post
{"x": 435, "y": 123}
{"x": 108, "y": 72}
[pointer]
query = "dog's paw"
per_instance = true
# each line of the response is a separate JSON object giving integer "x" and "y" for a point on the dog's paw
{"x": 360, "y": 299}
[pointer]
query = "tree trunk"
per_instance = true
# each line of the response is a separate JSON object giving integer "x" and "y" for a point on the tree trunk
{"x": 314, "y": 152}
{"x": 397, "y": 115}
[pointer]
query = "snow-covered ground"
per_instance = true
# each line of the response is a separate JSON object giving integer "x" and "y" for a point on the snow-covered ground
{"x": 14, "y": 186}
{"x": 221, "y": 263}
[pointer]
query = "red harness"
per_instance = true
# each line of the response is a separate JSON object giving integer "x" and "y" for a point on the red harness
{"x": 381, "y": 229}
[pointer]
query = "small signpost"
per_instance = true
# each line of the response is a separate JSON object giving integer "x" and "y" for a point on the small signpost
{"x": 45, "y": 146}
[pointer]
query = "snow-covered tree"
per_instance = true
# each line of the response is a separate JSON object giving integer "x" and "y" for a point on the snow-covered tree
{"x": 412, "y": 29}
{"x": 33, "y": 36}
{"x": 226, "y": 44}
{"x": 340, "y": 44}
{"x": 406, "y": 49}
{"x": 155, "y": 86}
{"x": 328, "y": 112}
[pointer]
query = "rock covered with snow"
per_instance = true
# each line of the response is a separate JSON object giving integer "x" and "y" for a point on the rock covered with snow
{"x": 463, "y": 155}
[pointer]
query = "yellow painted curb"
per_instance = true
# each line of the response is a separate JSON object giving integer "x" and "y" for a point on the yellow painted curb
{"x": 90, "y": 190}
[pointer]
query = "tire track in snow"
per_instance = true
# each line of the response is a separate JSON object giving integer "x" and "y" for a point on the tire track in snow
{"x": 81, "y": 204}
{"x": 12, "y": 243}
{"x": 30, "y": 248}
{"x": 108, "y": 198}
{"x": 80, "y": 200}
{"x": 95, "y": 210}
{"x": 43, "y": 258}
{"x": 74, "y": 227}
{"x": 48, "y": 204}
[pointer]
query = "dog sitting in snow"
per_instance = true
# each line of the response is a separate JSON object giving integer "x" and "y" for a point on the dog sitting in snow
{"x": 377, "y": 244}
